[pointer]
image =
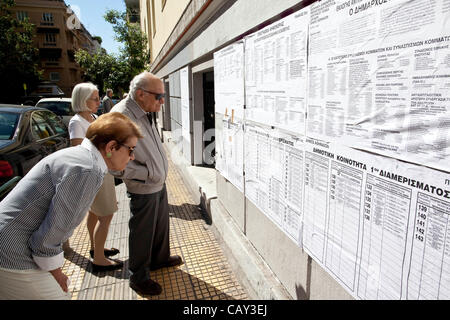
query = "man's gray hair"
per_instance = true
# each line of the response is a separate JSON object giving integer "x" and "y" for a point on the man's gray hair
{"x": 80, "y": 94}
{"x": 109, "y": 91}
{"x": 139, "y": 82}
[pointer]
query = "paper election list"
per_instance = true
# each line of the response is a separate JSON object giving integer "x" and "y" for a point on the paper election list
{"x": 229, "y": 80}
{"x": 257, "y": 170}
{"x": 185, "y": 112}
{"x": 219, "y": 145}
{"x": 275, "y": 73}
{"x": 274, "y": 176}
{"x": 399, "y": 264}
{"x": 429, "y": 270}
{"x": 383, "y": 230}
{"x": 230, "y": 150}
{"x": 379, "y": 77}
{"x": 355, "y": 223}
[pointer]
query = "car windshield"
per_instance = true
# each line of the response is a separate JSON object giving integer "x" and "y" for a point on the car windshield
{"x": 8, "y": 124}
{"x": 61, "y": 108}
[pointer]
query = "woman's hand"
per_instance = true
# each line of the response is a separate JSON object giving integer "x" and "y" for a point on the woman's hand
{"x": 61, "y": 278}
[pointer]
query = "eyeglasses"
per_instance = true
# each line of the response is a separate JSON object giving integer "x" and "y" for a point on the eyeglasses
{"x": 158, "y": 96}
{"x": 96, "y": 99}
{"x": 130, "y": 149}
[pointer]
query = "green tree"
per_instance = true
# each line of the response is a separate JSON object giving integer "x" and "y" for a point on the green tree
{"x": 98, "y": 38}
{"x": 134, "y": 51}
{"x": 116, "y": 72}
{"x": 19, "y": 59}
{"x": 96, "y": 67}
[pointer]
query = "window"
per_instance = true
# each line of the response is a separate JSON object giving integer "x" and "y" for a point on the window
{"x": 8, "y": 124}
{"x": 54, "y": 76}
{"x": 22, "y": 15}
{"x": 56, "y": 123}
{"x": 47, "y": 17}
{"x": 52, "y": 62}
{"x": 50, "y": 38}
{"x": 60, "y": 108}
{"x": 40, "y": 128}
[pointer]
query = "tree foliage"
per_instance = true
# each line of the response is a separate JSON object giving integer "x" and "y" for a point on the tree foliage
{"x": 19, "y": 59}
{"x": 97, "y": 67}
{"x": 134, "y": 50}
{"x": 116, "y": 71}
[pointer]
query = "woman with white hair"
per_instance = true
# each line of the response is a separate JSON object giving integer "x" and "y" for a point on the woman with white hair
{"x": 85, "y": 103}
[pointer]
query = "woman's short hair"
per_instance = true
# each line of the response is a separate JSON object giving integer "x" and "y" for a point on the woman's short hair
{"x": 80, "y": 94}
{"x": 112, "y": 126}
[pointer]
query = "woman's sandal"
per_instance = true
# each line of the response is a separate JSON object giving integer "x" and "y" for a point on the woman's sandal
{"x": 108, "y": 252}
{"x": 112, "y": 267}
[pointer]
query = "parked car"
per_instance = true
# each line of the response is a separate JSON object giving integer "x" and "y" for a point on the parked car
{"x": 60, "y": 106}
{"x": 27, "y": 134}
{"x": 45, "y": 89}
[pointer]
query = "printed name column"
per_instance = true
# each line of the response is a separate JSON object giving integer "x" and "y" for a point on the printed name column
{"x": 316, "y": 185}
{"x": 343, "y": 225}
{"x": 385, "y": 224}
{"x": 429, "y": 276}
{"x": 293, "y": 182}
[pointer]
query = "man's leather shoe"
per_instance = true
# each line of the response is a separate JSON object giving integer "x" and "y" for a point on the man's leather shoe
{"x": 148, "y": 287}
{"x": 171, "y": 262}
{"x": 111, "y": 267}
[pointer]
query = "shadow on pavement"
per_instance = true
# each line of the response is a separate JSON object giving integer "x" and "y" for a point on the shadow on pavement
{"x": 186, "y": 211}
{"x": 86, "y": 264}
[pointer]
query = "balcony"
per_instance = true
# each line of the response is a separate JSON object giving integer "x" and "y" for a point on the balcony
{"x": 133, "y": 14}
{"x": 45, "y": 53}
{"x": 47, "y": 30}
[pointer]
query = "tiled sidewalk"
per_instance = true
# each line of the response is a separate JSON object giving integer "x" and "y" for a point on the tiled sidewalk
{"x": 205, "y": 274}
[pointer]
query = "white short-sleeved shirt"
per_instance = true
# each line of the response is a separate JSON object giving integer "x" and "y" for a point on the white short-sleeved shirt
{"x": 78, "y": 127}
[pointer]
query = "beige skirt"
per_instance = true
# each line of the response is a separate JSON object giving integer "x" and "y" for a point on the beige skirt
{"x": 105, "y": 203}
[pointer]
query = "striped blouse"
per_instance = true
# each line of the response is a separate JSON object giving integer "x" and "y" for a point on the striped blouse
{"x": 45, "y": 207}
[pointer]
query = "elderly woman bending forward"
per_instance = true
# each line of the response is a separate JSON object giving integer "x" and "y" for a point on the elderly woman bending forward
{"x": 45, "y": 207}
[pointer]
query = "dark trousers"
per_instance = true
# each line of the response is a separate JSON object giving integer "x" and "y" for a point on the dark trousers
{"x": 149, "y": 233}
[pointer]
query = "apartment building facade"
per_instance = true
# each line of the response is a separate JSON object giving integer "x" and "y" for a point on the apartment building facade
{"x": 59, "y": 34}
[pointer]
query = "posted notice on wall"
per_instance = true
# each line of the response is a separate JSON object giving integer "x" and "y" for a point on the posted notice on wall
{"x": 378, "y": 225}
{"x": 274, "y": 176}
{"x": 230, "y": 150}
{"x": 379, "y": 77}
{"x": 185, "y": 112}
{"x": 275, "y": 73}
{"x": 229, "y": 80}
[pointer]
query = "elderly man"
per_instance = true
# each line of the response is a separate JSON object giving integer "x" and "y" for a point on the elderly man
{"x": 145, "y": 180}
{"x": 107, "y": 102}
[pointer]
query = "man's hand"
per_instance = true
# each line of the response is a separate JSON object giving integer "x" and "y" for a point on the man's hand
{"x": 61, "y": 278}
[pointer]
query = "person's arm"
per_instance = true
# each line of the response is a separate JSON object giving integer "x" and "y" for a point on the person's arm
{"x": 76, "y": 132}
